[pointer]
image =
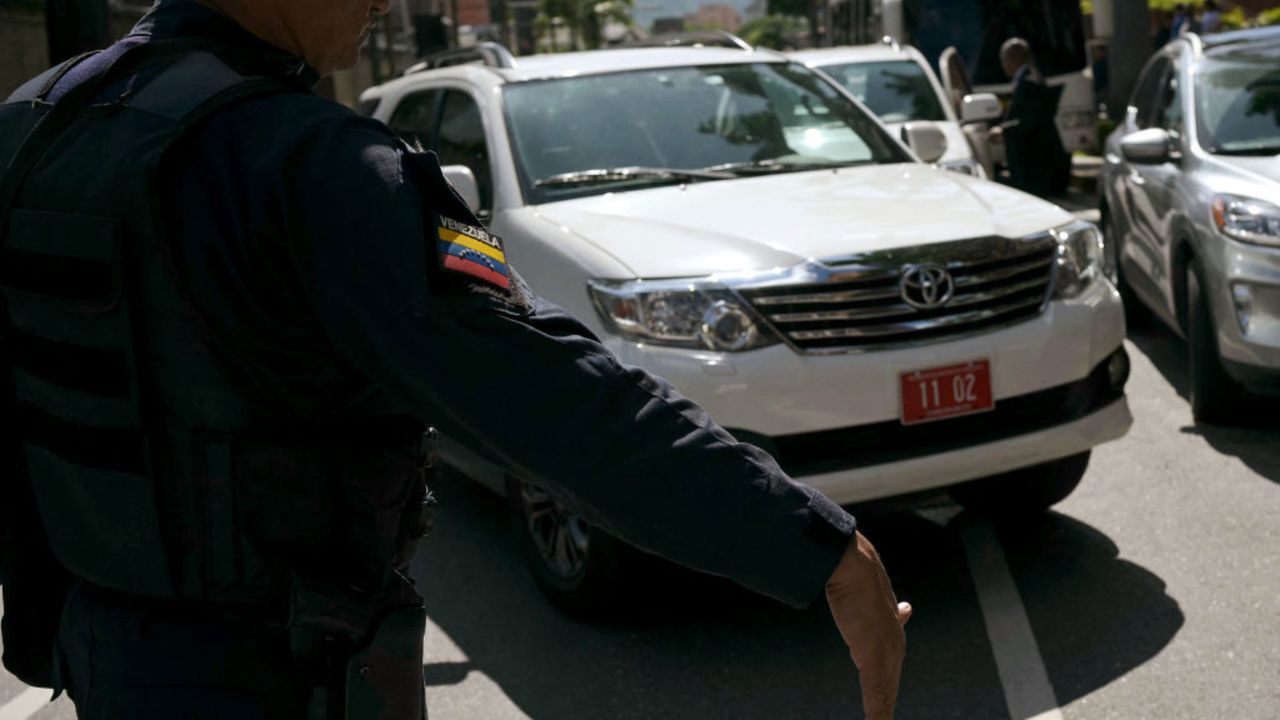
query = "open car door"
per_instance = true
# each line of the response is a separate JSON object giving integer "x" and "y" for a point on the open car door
{"x": 957, "y": 83}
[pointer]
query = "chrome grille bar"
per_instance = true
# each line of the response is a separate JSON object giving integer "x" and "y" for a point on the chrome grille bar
{"x": 996, "y": 281}
{"x": 830, "y": 297}
{"x": 886, "y": 311}
{"x": 914, "y": 325}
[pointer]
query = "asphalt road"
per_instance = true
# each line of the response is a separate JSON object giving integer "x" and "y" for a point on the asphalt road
{"x": 1152, "y": 592}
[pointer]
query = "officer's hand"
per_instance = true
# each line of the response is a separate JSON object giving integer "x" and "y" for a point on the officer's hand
{"x": 871, "y": 622}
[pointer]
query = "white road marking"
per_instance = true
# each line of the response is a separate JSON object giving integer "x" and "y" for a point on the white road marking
{"x": 31, "y": 701}
{"x": 1027, "y": 690}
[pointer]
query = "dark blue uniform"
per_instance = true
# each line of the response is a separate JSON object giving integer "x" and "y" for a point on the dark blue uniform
{"x": 307, "y": 239}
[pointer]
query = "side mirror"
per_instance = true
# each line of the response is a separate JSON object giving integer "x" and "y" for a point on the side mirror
{"x": 926, "y": 140}
{"x": 464, "y": 181}
{"x": 1152, "y": 146}
{"x": 980, "y": 107}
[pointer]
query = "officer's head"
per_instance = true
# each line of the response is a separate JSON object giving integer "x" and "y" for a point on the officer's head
{"x": 1014, "y": 53}
{"x": 326, "y": 33}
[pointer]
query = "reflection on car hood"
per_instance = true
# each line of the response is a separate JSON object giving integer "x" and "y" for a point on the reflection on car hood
{"x": 779, "y": 220}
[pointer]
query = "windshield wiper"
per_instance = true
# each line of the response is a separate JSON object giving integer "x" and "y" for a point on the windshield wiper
{"x": 621, "y": 174}
{"x": 763, "y": 167}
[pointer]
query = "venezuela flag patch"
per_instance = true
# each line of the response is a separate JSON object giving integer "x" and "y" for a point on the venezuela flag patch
{"x": 471, "y": 250}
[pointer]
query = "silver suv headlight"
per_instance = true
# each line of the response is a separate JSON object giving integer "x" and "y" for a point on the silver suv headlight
{"x": 1247, "y": 220}
{"x": 1079, "y": 257}
{"x": 692, "y": 313}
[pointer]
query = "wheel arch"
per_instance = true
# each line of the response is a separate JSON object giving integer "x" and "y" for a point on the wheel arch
{"x": 1184, "y": 254}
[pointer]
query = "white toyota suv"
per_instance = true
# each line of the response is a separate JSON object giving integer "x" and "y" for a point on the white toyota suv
{"x": 733, "y": 222}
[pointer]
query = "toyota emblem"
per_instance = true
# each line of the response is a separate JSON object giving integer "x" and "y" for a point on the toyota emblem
{"x": 927, "y": 286}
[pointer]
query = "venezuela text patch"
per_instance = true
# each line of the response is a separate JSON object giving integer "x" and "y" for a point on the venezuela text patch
{"x": 473, "y": 251}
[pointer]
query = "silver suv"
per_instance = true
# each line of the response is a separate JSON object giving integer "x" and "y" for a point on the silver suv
{"x": 1191, "y": 207}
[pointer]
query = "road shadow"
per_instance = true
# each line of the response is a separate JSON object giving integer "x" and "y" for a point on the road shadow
{"x": 1166, "y": 351}
{"x": 1253, "y": 437}
{"x": 700, "y": 648}
{"x": 1095, "y": 616}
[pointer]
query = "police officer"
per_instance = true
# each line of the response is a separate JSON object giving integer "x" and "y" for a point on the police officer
{"x": 228, "y": 304}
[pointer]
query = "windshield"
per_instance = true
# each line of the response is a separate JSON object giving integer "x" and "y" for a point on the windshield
{"x": 897, "y": 91}
{"x": 977, "y": 28}
{"x": 601, "y": 133}
{"x": 1238, "y": 105}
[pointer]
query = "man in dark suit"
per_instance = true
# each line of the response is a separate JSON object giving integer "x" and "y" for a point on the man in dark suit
{"x": 1033, "y": 149}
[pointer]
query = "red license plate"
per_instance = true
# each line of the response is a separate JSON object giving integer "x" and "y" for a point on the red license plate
{"x": 946, "y": 392}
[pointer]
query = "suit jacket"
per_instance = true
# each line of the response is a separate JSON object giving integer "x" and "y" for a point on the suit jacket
{"x": 1038, "y": 164}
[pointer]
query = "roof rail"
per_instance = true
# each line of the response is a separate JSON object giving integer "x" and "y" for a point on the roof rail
{"x": 1267, "y": 33}
{"x": 1197, "y": 43}
{"x": 693, "y": 38}
{"x": 892, "y": 42}
{"x": 489, "y": 54}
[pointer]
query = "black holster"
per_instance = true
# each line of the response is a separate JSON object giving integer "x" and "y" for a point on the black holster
{"x": 361, "y": 649}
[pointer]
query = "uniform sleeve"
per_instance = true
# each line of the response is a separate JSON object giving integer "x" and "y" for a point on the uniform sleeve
{"x": 532, "y": 384}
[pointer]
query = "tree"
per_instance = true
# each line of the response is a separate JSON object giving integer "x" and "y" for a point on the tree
{"x": 808, "y": 9}
{"x": 778, "y": 32}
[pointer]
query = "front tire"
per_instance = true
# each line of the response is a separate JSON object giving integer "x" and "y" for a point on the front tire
{"x": 1025, "y": 491}
{"x": 1214, "y": 395}
{"x": 580, "y": 568}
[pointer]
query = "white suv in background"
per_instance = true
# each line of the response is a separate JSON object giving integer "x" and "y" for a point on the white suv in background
{"x": 733, "y": 222}
{"x": 896, "y": 84}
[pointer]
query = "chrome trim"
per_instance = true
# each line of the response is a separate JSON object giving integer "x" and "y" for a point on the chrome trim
{"x": 944, "y": 321}
{"x": 968, "y": 280}
{"x": 875, "y": 313}
{"x": 972, "y": 262}
{"x": 837, "y": 297}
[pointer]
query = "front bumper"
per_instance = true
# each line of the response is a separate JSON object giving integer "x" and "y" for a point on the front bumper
{"x": 1246, "y": 308}
{"x": 776, "y": 391}
{"x": 929, "y": 472}
{"x": 833, "y": 421}
{"x": 833, "y": 451}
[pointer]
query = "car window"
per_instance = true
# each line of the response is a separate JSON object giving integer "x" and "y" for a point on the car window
{"x": 1147, "y": 91}
{"x": 461, "y": 141}
{"x": 1238, "y": 104}
{"x": 1169, "y": 113}
{"x": 897, "y": 91}
{"x": 415, "y": 118}
{"x": 766, "y": 116}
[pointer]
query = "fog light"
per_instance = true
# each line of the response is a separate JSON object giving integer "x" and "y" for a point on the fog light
{"x": 725, "y": 327}
{"x": 1243, "y": 297}
{"x": 1118, "y": 370}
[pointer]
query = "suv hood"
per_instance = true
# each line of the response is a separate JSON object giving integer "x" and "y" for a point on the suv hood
{"x": 1253, "y": 168}
{"x": 780, "y": 220}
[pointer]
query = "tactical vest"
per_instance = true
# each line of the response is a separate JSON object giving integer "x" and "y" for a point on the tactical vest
{"x": 158, "y": 469}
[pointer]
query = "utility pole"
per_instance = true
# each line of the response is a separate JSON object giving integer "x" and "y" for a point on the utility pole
{"x": 1127, "y": 26}
{"x": 74, "y": 27}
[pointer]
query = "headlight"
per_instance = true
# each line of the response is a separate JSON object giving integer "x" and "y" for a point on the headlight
{"x": 1247, "y": 220}
{"x": 964, "y": 167}
{"x": 1079, "y": 257}
{"x": 698, "y": 314}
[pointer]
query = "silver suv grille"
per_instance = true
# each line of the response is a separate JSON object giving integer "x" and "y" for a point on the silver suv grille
{"x": 861, "y": 306}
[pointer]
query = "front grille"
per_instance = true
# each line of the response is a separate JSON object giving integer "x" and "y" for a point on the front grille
{"x": 997, "y": 282}
{"x": 885, "y": 442}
